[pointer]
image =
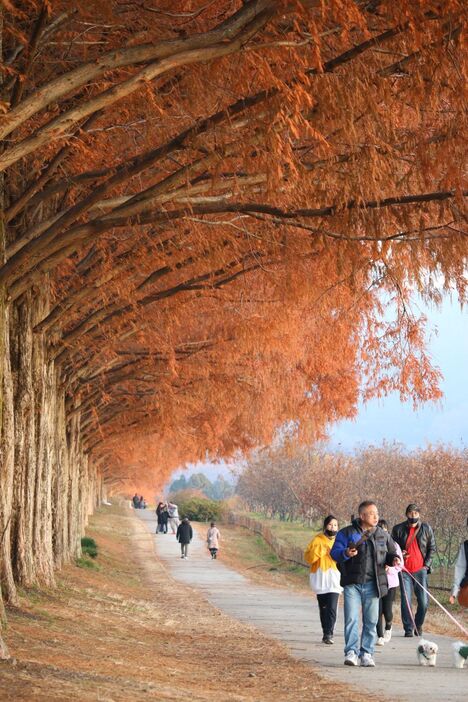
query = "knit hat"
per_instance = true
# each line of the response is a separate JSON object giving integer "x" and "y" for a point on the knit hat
{"x": 412, "y": 508}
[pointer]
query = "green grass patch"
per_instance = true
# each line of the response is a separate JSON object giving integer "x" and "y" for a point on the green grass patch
{"x": 85, "y": 562}
{"x": 255, "y": 554}
{"x": 294, "y": 533}
{"x": 89, "y": 547}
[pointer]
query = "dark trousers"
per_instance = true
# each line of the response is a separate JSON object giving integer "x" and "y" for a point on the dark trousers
{"x": 184, "y": 549}
{"x": 408, "y": 585}
{"x": 327, "y": 608}
{"x": 386, "y": 612}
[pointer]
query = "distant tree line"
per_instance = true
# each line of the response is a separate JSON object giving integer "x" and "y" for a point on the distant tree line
{"x": 294, "y": 482}
{"x": 219, "y": 489}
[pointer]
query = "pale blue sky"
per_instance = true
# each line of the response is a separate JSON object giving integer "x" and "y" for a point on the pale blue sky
{"x": 389, "y": 420}
{"x": 446, "y": 421}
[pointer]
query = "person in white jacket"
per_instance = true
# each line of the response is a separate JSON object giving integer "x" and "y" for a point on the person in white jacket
{"x": 173, "y": 512}
{"x": 460, "y": 576}
{"x": 212, "y": 539}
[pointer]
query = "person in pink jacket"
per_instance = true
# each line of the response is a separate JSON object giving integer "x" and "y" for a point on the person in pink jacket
{"x": 386, "y": 603}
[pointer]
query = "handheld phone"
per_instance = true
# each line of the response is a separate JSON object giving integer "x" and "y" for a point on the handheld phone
{"x": 365, "y": 535}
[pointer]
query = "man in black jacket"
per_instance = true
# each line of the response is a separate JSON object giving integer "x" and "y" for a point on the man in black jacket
{"x": 416, "y": 540}
{"x": 362, "y": 550}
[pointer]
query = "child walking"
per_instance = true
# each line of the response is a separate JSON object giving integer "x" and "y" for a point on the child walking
{"x": 386, "y": 602}
{"x": 212, "y": 538}
{"x": 184, "y": 536}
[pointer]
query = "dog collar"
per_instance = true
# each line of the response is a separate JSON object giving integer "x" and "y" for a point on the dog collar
{"x": 422, "y": 652}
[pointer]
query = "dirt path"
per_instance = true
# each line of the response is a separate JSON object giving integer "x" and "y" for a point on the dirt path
{"x": 293, "y": 619}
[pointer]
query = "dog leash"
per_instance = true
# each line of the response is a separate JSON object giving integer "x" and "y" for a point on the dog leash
{"x": 408, "y": 604}
{"x": 444, "y": 609}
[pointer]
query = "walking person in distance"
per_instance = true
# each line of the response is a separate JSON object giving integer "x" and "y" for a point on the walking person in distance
{"x": 173, "y": 513}
{"x": 212, "y": 539}
{"x": 184, "y": 536}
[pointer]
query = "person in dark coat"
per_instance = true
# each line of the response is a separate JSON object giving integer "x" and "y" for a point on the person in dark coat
{"x": 160, "y": 516}
{"x": 164, "y": 518}
{"x": 136, "y": 501}
{"x": 416, "y": 540}
{"x": 361, "y": 551}
{"x": 184, "y": 536}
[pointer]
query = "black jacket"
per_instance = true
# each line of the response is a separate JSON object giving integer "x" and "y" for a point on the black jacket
{"x": 424, "y": 537}
{"x": 184, "y": 533}
{"x": 353, "y": 570}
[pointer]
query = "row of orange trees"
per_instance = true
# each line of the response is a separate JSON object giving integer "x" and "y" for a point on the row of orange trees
{"x": 291, "y": 482}
{"x": 198, "y": 200}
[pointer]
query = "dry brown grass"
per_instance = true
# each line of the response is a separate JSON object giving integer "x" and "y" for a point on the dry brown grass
{"x": 129, "y": 632}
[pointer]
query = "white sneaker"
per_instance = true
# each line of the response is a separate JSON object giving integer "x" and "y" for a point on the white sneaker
{"x": 380, "y": 641}
{"x": 351, "y": 658}
{"x": 387, "y": 635}
{"x": 367, "y": 661}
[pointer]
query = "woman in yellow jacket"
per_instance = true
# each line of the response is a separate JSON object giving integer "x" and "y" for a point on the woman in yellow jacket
{"x": 325, "y": 576}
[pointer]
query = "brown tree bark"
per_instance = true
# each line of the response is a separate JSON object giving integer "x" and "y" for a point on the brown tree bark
{"x": 25, "y": 434}
{"x": 45, "y": 408}
{"x": 7, "y": 468}
{"x": 60, "y": 487}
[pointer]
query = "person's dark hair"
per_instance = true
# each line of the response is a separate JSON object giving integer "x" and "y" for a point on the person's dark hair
{"x": 327, "y": 521}
{"x": 412, "y": 507}
{"x": 213, "y": 524}
{"x": 366, "y": 503}
{"x": 382, "y": 523}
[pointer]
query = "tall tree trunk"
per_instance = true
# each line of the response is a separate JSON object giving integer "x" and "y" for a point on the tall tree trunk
{"x": 46, "y": 410}
{"x": 25, "y": 463}
{"x": 60, "y": 485}
{"x": 74, "y": 514}
{"x": 7, "y": 468}
{"x": 6, "y": 430}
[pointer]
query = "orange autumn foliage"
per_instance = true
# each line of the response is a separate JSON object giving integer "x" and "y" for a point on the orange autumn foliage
{"x": 221, "y": 200}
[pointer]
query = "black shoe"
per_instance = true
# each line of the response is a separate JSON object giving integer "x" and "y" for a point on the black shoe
{"x": 408, "y": 634}
{"x": 418, "y": 632}
{"x": 327, "y": 640}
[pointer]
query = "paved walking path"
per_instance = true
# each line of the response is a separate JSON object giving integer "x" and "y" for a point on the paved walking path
{"x": 293, "y": 618}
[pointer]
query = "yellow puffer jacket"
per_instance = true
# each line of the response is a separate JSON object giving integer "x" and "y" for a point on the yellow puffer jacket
{"x": 324, "y": 576}
{"x": 317, "y": 554}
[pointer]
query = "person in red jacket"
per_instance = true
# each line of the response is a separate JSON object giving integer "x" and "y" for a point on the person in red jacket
{"x": 416, "y": 540}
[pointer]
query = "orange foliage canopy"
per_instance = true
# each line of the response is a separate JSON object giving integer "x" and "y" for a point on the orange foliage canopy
{"x": 224, "y": 199}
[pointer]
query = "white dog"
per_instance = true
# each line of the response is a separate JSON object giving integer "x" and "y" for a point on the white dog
{"x": 427, "y": 652}
{"x": 460, "y": 653}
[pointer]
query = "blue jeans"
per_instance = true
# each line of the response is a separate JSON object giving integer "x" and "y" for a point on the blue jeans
{"x": 422, "y": 599}
{"x": 357, "y": 597}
